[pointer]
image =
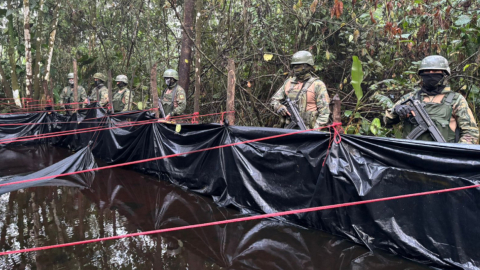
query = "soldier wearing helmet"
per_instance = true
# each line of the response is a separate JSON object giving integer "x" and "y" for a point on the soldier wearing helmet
{"x": 307, "y": 91}
{"x": 100, "y": 91}
{"x": 449, "y": 110}
{"x": 173, "y": 98}
{"x": 121, "y": 100}
{"x": 66, "y": 96}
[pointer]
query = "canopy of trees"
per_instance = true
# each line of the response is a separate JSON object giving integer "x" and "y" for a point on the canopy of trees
{"x": 39, "y": 39}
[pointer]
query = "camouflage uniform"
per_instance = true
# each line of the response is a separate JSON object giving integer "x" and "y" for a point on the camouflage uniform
{"x": 174, "y": 105}
{"x": 66, "y": 96}
{"x": 461, "y": 116}
{"x": 121, "y": 100}
{"x": 102, "y": 93}
{"x": 313, "y": 103}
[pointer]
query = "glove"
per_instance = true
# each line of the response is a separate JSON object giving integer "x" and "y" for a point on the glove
{"x": 403, "y": 110}
{"x": 282, "y": 110}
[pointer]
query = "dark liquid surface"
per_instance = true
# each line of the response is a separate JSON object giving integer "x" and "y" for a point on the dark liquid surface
{"x": 121, "y": 201}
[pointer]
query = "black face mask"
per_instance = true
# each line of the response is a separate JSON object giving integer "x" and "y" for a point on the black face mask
{"x": 431, "y": 82}
{"x": 97, "y": 83}
{"x": 169, "y": 81}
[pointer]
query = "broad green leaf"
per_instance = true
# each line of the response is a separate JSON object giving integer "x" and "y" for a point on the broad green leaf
{"x": 465, "y": 67}
{"x": 463, "y": 20}
{"x": 348, "y": 113}
{"x": 357, "y": 78}
{"x": 375, "y": 126}
{"x": 140, "y": 105}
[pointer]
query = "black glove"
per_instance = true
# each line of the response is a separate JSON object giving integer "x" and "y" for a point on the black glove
{"x": 403, "y": 110}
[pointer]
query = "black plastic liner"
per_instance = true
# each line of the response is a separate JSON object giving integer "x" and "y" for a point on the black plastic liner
{"x": 287, "y": 173}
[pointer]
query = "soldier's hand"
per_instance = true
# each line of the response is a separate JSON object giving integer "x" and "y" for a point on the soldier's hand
{"x": 403, "y": 111}
{"x": 282, "y": 110}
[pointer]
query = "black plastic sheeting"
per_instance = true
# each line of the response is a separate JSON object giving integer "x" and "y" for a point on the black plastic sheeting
{"x": 287, "y": 173}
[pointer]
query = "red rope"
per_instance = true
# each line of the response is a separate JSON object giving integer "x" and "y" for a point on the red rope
{"x": 242, "y": 219}
{"x": 165, "y": 157}
{"x": 71, "y": 122}
{"x": 80, "y": 131}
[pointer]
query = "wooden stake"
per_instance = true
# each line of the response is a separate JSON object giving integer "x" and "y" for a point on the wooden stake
{"x": 231, "y": 91}
{"x": 110, "y": 95}
{"x": 337, "y": 109}
{"x": 75, "y": 86}
{"x": 153, "y": 89}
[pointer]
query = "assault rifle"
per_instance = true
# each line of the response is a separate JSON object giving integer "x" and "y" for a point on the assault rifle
{"x": 424, "y": 122}
{"x": 296, "y": 119}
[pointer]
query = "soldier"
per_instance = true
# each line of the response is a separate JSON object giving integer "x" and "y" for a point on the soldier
{"x": 66, "y": 96}
{"x": 173, "y": 98}
{"x": 307, "y": 91}
{"x": 122, "y": 99}
{"x": 100, "y": 92}
{"x": 449, "y": 110}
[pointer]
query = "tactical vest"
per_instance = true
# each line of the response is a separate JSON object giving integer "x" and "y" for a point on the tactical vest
{"x": 305, "y": 98}
{"x": 117, "y": 101}
{"x": 168, "y": 100}
{"x": 440, "y": 113}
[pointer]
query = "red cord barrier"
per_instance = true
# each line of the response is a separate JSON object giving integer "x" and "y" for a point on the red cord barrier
{"x": 278, "y": 214}
{"x": 72, "y": 122}
{"x": 170, "y": 156}
{"x": 80, "y": 131}
{"x": 51, "y": 111}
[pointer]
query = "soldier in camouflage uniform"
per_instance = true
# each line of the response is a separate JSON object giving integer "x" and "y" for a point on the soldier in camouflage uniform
{"x": 173, "y": 98}
{"x": 307, "y": 91}
{"x": 122, "y": 99}
{"x": 100, "y": 92}
{"x": 66, "y": 96}
{"x": 448, "y": 110}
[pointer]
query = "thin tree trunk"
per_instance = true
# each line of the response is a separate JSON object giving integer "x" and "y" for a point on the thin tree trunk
{"x": 28, "y": 48}
{"x": 51, "y": 42}
{"x": 110, "y": 94}
{"x": 187, "y": 44}
{"x": 11, "y": 51}
{"x": 75, "y": 85}
{"x": 231, "y": 91}
{"x": 38, "y": 53}
{"x": 153, "y": 88}
{"x": 198, "y": 62}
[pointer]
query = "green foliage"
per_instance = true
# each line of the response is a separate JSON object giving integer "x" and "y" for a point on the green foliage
{"x": 357, "y": 78}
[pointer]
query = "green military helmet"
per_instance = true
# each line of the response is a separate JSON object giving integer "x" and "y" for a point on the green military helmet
{"x": 170, "y": 73}
{"x": 100, "y": 76}
{"x": 122, "y": 78}
{"x": 434, "y": 62}
{"x": 302, "y": 57}
{"x": 70, "y": 76}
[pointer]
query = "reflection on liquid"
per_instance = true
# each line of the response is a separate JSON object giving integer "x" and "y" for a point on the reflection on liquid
{"x": 120, "y": 201}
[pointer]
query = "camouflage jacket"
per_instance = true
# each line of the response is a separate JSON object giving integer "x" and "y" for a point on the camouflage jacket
{"x": 102, "y": 94}
{"x": 179, "y": 101}
{"x": 461, "y": 115}
{"x": 66, "y": 96}
{"x": 121, "y": 100}
{"x": 313, "y": 104}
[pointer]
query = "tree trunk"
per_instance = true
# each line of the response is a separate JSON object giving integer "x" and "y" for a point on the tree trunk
{"x": 11, "y": 51}
{"x": 110, "y": 94}
{"x": 75, "y": 85}
{"x": 38, "y": 53}
{"x": 51, "y": 42}
{"x": 187, "y": 44}
{"x": 231, "y": 92}
{"x": 153, "y": 89}
{"x": 198, "y": 64}
{"x": 6, "y": 86}
{"x": 28, "y": 48}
